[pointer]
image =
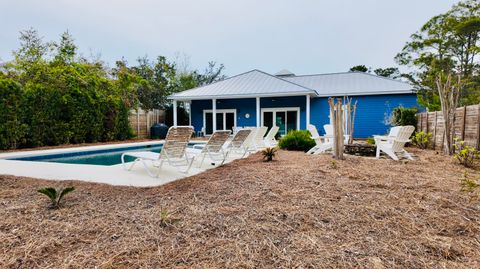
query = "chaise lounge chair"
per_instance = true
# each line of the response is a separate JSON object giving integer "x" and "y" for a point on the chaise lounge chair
{"x": 269, "y": 139}
{"x": 238, "y": 143}
{"x": 258, "y": 141}
{"x": 213, "y": 148}
{"x": 393, "y": 144}
{"x": 173, "y": 151}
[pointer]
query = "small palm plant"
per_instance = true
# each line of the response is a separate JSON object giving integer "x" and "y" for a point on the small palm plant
{"x": 269, "y": 154}
{"x": 55, "y": 195}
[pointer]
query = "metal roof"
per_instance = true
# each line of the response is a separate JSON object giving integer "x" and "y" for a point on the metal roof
{"x": 351, "y": 83}
{"x": 257, "y": 83}
{"x": 254, "y": 83}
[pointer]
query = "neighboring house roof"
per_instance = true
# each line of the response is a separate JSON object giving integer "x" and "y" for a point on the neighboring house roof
{"x": 351, "y": 83}
{"x": 256, "y": 83}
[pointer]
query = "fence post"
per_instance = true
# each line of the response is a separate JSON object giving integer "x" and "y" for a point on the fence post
{"x": 478, "y": 126}
{"x": 426, "y": 122}
{"x": 435, "y": 130}
{"x": 463, "y": 122}
{"x": 138, "y": 124}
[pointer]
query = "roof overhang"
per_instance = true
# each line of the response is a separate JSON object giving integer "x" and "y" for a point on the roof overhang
{"x": 239, "y": 96}
{"x": 368, "y": 93}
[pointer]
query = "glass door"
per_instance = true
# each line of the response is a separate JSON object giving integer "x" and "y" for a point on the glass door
{"x": 226, "y": 120}
{"x": 280, "y": 121}
{"x": 285, "y": 118}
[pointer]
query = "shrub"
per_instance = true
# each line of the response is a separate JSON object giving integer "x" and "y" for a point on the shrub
{"x": 402, "y": 116}
{"x": 12, "y": 129}
{"x": 55, "y": 195}
{"x": 470, "y": 185}
{"x": 297, "y": 140}
{"x": 371, "y": 141}
{"x": 269, "y": 154}
{"x": 422, "y": 139}
{"x": 466, "y": 155}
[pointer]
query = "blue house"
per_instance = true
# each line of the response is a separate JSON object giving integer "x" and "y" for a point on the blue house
{"x": 256, "y": 98}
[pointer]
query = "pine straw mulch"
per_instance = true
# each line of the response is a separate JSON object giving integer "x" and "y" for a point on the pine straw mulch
{"x": 297, "y": 212}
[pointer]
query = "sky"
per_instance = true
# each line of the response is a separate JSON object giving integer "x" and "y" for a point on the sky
{"x": 303, "y": 36}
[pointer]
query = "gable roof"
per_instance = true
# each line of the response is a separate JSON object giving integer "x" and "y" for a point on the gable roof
{"x": 351, "y": 83}
{"x": 257, "y": 83}
{"x": 254, "y": 83}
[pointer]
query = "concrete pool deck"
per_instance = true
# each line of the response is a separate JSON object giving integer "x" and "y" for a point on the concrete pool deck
{"x": 113, "y": 175}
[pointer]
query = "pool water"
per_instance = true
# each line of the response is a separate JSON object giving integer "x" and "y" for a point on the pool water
{"x": 105, "y": 157}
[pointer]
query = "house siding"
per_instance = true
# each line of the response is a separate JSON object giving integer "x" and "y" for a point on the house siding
{"x": 371, "y": 116}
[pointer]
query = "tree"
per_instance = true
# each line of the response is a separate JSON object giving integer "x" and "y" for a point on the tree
{"x": 156, "y": 82}
{"x": 449, "y": 92}
{"x": 389, "y": 72}
{"x": 359, "y": 68}
{"x": 66, "y": 49}
{"x": 448, "y": 43}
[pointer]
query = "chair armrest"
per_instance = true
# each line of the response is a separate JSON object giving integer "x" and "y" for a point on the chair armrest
{"x": 199, "y": 146}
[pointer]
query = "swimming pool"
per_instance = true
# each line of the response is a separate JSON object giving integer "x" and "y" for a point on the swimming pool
{"x": 105, "y": 157}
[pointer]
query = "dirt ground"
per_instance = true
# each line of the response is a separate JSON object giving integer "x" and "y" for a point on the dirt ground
{"x": 297, "y": 212}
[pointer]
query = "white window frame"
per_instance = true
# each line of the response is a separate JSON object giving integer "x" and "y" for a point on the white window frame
{"x": 219, "y": 111}
{"x": 281, "y": 109}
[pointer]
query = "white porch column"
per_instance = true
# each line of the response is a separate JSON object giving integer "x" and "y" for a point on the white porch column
{"x": 307, "y": 110}
{"x": 189, "y": 113}
{"x": 175, "y": 113}
{"x": 257, "y": 100}
{"x": 214, "y": 114}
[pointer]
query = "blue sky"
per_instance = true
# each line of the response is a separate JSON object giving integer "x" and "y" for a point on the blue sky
{"x": 304, "y": 36}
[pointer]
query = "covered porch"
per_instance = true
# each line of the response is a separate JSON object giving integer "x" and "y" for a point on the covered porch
{"x": 286, "y": 112}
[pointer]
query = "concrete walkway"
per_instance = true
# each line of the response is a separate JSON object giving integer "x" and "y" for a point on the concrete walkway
{"x": 114, "y": 175}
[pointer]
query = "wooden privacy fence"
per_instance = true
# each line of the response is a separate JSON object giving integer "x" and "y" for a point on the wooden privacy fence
{"x": 140, "y": 121}
{"x": 467, "y": 126}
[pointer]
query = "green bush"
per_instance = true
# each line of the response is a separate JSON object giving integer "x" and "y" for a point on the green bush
{"x": 297, "y": 140}
{"x": 371, "y": 141}
{"x": 466, "y": 155}
{"x": 422, "y": 139}
{"x": 402, "y": 116}
{"x": 12, "y": 129}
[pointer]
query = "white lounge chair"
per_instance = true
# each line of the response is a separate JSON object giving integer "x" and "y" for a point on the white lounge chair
{"x": 250, "y": 140}
{"x": 173, "y": 151}
{"x": 238, "y": 143}
{"x": 269, "y": 139}
{"x": 213, "y": 148}
{"x": 258, "y": 141}
{"x": 393, "y": 144}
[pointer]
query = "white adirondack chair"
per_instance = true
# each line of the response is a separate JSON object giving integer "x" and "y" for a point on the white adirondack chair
{"x": 322, "y": 143}
{"x": 269, "y": 139}
{"x": 393, "y": 145}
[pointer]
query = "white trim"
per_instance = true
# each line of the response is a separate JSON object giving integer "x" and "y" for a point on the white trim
{"x": 281, "y": 109}
{"x": 257, "y": 111}
{"x": 174, "y": 113}
{"x": 307, "y": 110}
{"x": 214, "y": 115}
{"x": 223, "y": 111}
